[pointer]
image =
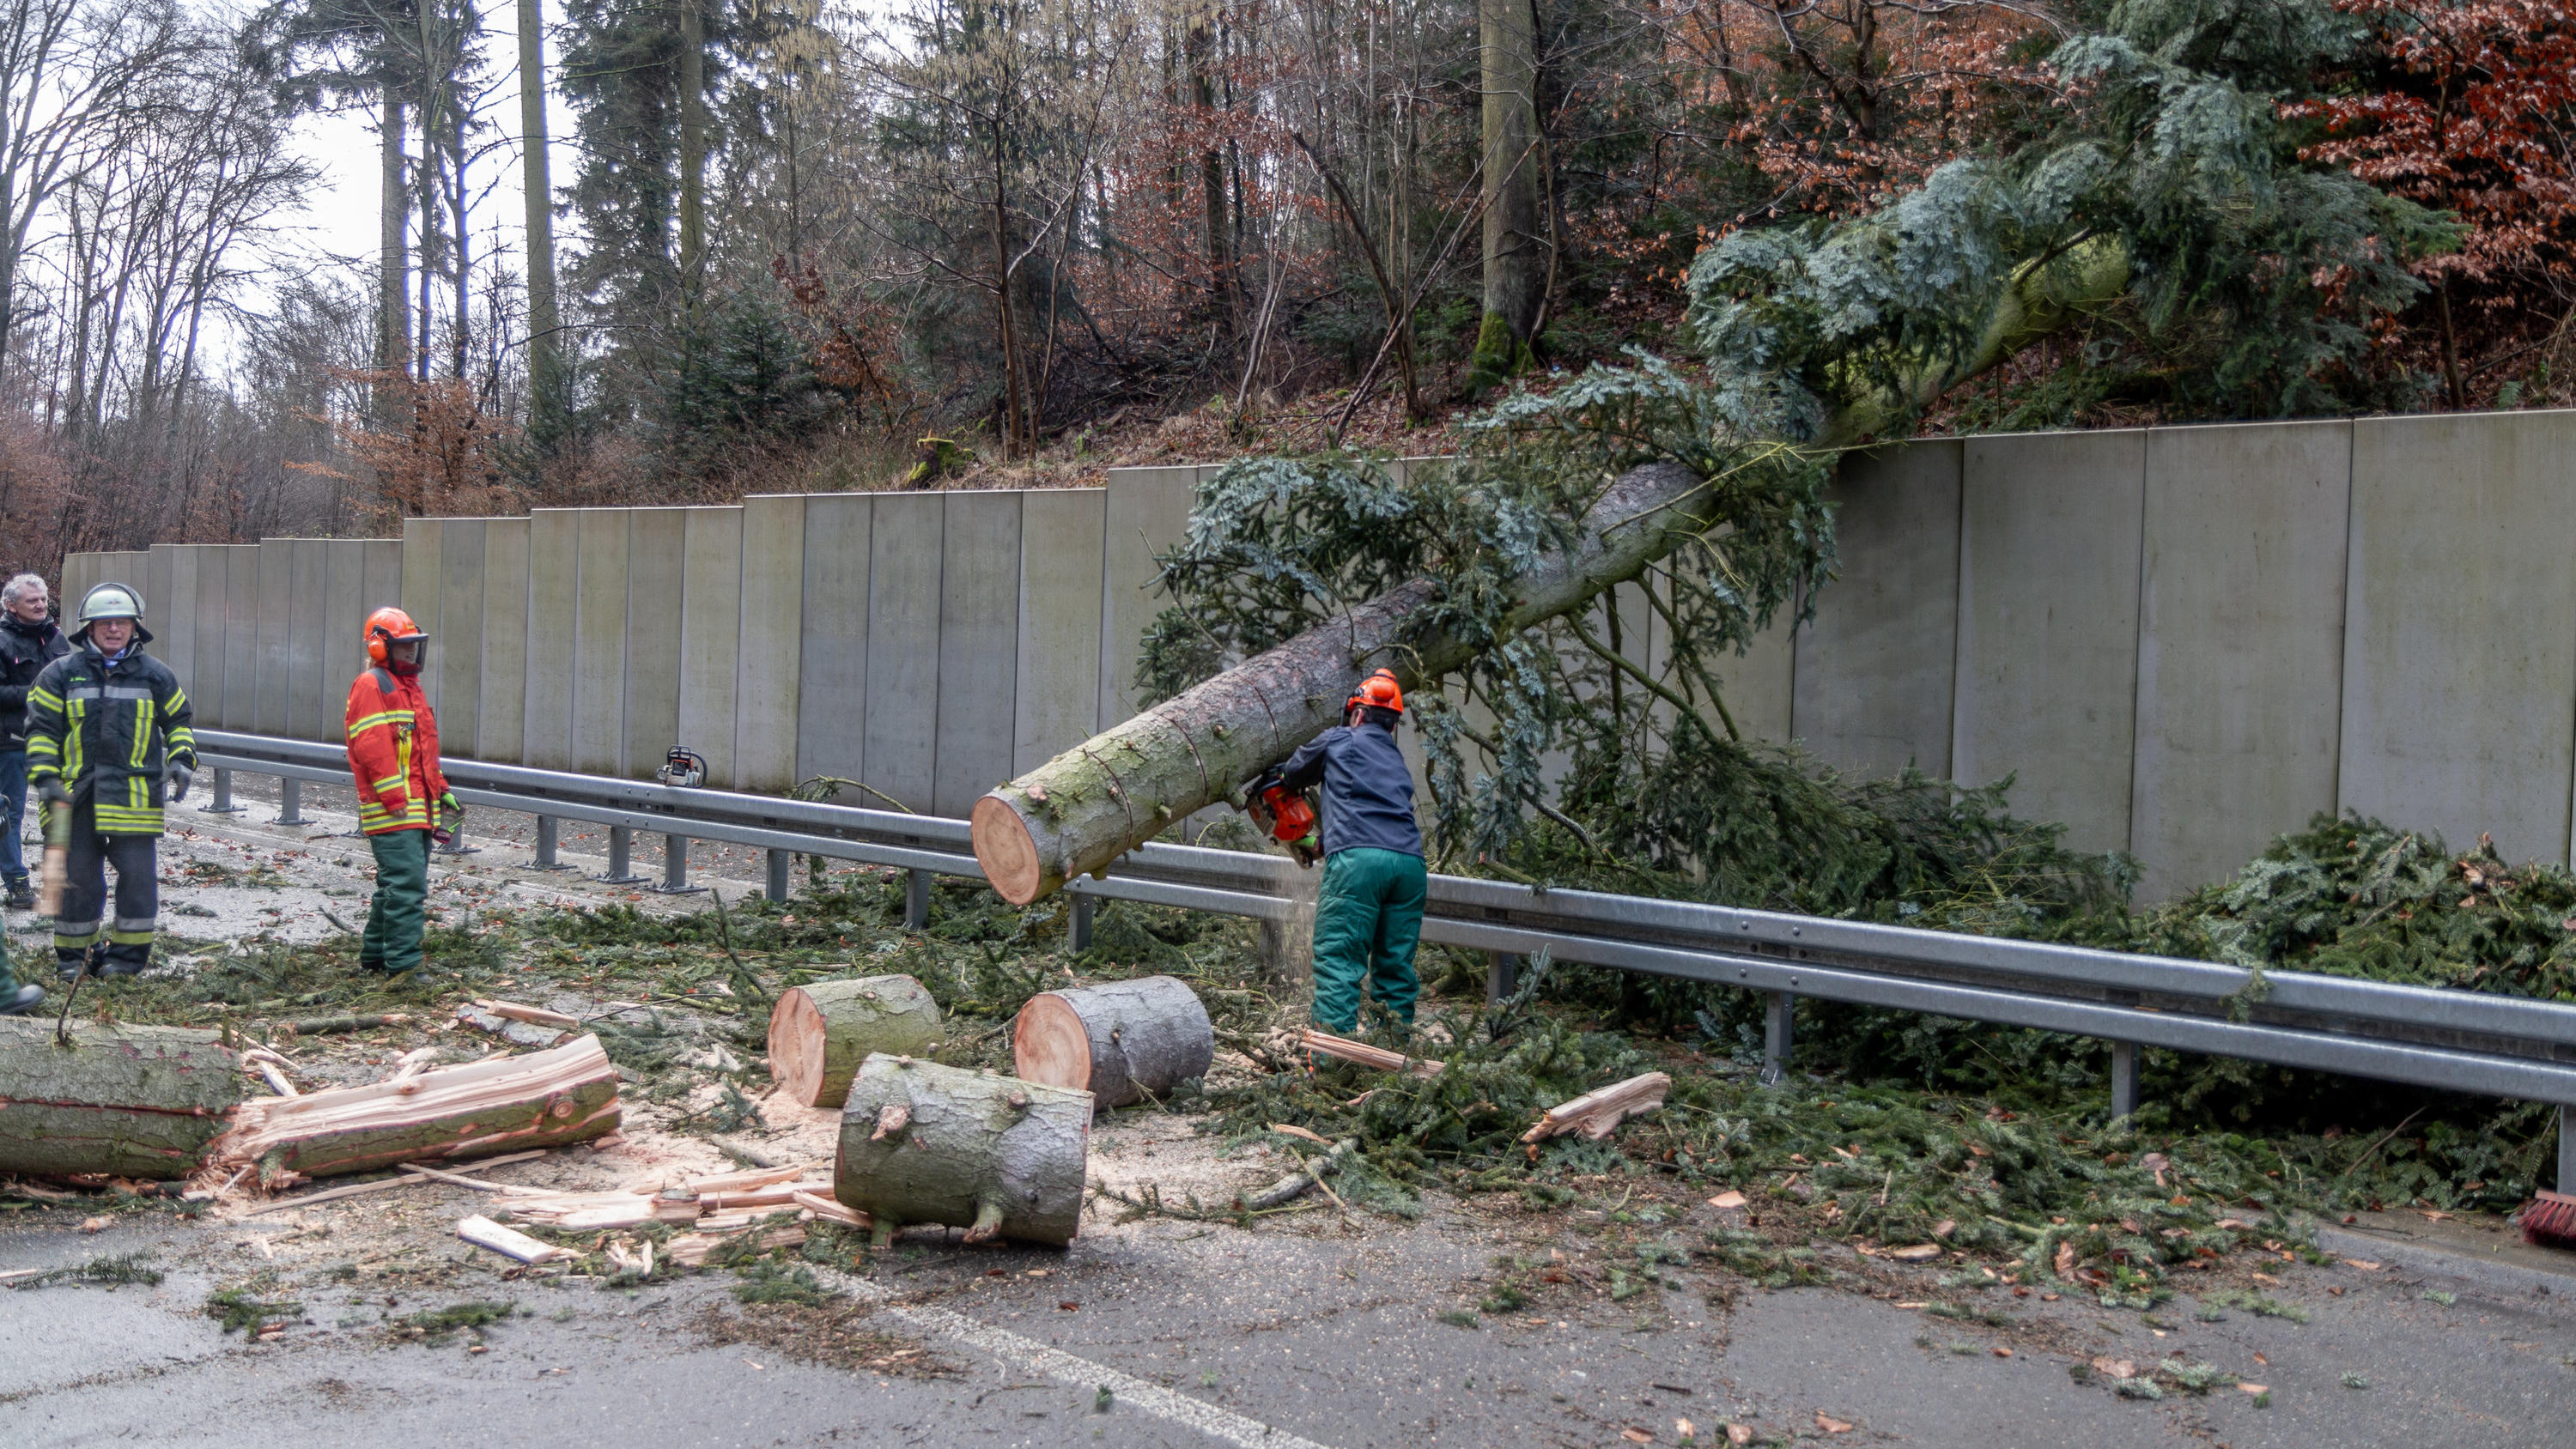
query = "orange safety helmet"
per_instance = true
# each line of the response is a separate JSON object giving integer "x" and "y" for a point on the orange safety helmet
{"x": 386, "y": 627}
{"x": 1379, "y": 691}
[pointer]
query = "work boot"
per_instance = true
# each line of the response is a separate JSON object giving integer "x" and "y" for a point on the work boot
{"x": 67, "y": 964}
{"x": 20, "y": 898}
{"x": 19, "y": 1001}
{"x": 124, "y": 960}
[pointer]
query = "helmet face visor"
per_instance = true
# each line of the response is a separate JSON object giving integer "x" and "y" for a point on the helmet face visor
{"x": 406, "y": 651}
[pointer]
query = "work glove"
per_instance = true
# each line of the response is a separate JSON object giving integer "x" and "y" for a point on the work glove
{"x": 50, "y": 790}
{"x": 450, "y": 806}
{"x": 179, "y": 775}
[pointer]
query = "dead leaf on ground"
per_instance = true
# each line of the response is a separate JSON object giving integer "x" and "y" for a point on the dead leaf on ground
{"x": 1915, "y": 1252}
{"x": 1739, "y": 1434}
{"x": 1830, "y": 1424}
{"x": 2364, "y": 1264}
{"x": 2065, "y": 1263}
{"x": 1636, "y": 1435}
{"x": 2116, "y": 1368}
{"x": 1727, "y": 1199}
{"x": 2253, "y": 1388}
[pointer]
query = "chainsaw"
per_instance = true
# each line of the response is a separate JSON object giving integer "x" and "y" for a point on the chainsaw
{"x": 1287, "y": 815}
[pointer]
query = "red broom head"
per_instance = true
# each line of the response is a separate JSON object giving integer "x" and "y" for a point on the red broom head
{"x": 2550, "y": 1220}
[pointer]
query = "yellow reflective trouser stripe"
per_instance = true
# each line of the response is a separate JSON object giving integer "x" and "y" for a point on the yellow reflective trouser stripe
{"x": 142, "y": 750}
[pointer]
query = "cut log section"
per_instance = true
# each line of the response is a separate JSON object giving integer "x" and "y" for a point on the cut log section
{"x": 1122, "y": 1042}
{"x": 128, "y": 1101}
{"x": 1598, "y": 1113}
{"x": 543, "y": 1099}
{"x": 818, "y": 1034}
{"x": 992, "y": 1154}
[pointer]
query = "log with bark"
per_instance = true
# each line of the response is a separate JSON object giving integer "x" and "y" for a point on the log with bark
{"x": 1598, "y": 1113}
{"x": 128, "y": 1101}
{"x": 923, "y": 1143}
{"x": 1121, "y": 1041}
{"x": 819, "y": 1033}
{"x": 543, "y": 1099}
{"x": 1080, "y": 811}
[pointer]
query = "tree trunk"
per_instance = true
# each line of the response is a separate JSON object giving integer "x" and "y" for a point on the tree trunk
{"x": 693, "y": 147}
{"x": 1122, "y": 1041}
{"x": 543, "y": 1099}
{"x": 460, "y": 210}
{"x": 131, "y": 1101}
{"x": 818, "y": 1034}
{"x": 548, "y": 407}
{"x": 393, "y": 264}
{"x": 923, "y": 1143}
{"x": 1201, "y": 51}
{"x": 1515, "y": 236}
{"x": 1081, "y": 810}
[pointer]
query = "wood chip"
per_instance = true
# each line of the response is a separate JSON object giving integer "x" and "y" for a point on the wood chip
{"x": 482, "y": 1232}
{"x": 533, "y": 1015}
{"x": 1915, "y": 1252}
{"x": 1727, "y": 1200}
{"x": 1292, "y": 1130}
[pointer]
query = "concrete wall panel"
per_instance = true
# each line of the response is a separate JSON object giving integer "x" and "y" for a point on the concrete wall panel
{"x": 460, "y": 619}
{"x": 1148, "y": 509}
{"x": 554, "y": 575}
{"x": 276, "y": 650}
{"x": 656, "y": 578}
{"x": 502, "y": 732}
{"x": 241, "y": 636}
{"x": 310, "y": 575}
{"x": 423, "y": 574}
{"x": 832, "y": 703}
{"x": 2459, "y": 679}
{"x": 979, "y": 625}
{"x": 2048, "y": 625}
{"x": 906, "y": 548}
{"x": 1874, "y": 666}
{"x": 766, "y": 691}
{"x": 710, "y": 630}
{"x": 599, "y": 643}
{"x": 171, "y": 610}
{"x": 1062, "y": 533}
{"x": 344, "y": 642}
{"x": 206, "y": 621}
{"x": 2240, "y": 644}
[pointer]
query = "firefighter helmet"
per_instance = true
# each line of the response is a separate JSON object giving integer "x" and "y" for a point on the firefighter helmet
{"x": 1378, "y": 691}
{"x": 110, "y": 601}
{"x": 388, "y": 627}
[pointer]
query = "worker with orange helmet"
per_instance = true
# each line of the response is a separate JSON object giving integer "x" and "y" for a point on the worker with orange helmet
{"x": 1370, "y": 915}
{"x": 402, "y": 796}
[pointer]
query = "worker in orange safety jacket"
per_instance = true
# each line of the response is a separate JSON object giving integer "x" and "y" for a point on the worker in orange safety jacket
{"x": 402, "y": 796}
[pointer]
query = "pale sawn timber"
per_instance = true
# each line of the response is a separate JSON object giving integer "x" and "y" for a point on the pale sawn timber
{"x": 1121, "y": 1041}
{"x": 1598, "y": 1113}
{"x": 129, "y": 1101}
{"x": 820, "y": 1032}
{"x": 992, "y": 1154}
{"x": 1080, "y": 811}
{"x": 550, "y": 1098}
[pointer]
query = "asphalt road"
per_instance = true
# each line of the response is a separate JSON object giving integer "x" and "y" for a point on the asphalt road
{"x": 1214, "y": 1336}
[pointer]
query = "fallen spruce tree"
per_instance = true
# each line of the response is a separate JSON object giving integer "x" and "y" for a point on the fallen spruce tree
{"x": 2171, "y": 204}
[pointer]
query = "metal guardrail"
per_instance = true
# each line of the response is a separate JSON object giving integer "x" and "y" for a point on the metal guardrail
{"x": 2453, "y": 1040}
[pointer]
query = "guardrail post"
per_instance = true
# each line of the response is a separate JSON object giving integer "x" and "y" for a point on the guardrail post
{"x": 781, "y": 864}
{"x": 1502, "y": 977}
{"x": 675, "y": 868}
{"x": 621, "y": 854}
{"x": 456, "y": 841}
{"x": 548, "y": 830}
{"x": 1078, "y": 931}
{"x": 2124, "y": 1079}
{"x": 916, "y": 899}
{"x": 222, "y": 804}
{"x": 290, "y": 802}
{"x": 1777, "y": 1028}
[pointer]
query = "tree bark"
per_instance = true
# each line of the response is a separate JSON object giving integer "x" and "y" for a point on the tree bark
{"x": 923, "y": 1143}
{"x": 131, "y": 1101}
{"x": 543, "y": 1099}
{"x": 818, "y": 1034}
{"x": 1080, "y": 811}
{"x": 693, "y": 147}
{"x": 1121, "y": 1041}
{"x": 548, "y": 406}
{"x": 1201, "y": 50}
{"x": 393, "y": 264}
{"x": 1516, "y": 243}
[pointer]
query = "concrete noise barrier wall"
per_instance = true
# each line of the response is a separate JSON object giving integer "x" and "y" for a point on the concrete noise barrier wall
{"x": 2178, "y": 641}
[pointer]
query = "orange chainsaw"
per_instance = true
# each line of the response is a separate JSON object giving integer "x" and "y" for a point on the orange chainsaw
{"x": 1286, "y": 814}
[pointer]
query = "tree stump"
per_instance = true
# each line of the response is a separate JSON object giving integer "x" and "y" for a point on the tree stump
{"x": 923, "y": 1143}
{"x": 130, "y": 1101}
{"x": 1121, "y": 1042}
{"x": 819, "y": 1034}
{"x": 542, "y": 1099}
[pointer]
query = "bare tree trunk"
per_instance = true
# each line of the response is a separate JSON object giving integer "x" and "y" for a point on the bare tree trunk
{"x": 1002, "y": 297}
{"x": 1201, "y": 52}
{"x": 460, "y": 208}
{"x": 393, "y": 313}
{"x": 548, "y": 406}
{"x": 693, "y": 147}
{"x": 1515, "y": 239}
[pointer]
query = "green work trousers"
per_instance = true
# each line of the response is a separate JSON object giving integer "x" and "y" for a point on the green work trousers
{"x": 1366, "y": 926}
{"x": 394, "y": 917}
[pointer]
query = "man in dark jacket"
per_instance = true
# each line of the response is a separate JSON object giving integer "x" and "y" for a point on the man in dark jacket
{"x": 108, "y": 734}
{"x": 1370, "y": 917}
{"x": 28, "y": 642}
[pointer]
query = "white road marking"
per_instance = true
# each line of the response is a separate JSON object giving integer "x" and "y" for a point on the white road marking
{"x": 1075, "y": 1371}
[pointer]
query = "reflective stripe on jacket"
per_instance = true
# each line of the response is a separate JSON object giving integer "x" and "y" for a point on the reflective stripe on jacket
{"x": 393, "y": 752}
{"x": 108, "y": 730}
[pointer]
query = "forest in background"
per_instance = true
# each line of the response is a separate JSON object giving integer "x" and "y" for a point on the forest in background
{"x": 790, "y": 240}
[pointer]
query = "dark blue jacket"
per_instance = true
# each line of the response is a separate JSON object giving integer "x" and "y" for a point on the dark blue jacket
{"x": 1368, "y": 792}
{"x": 25, "y": 650}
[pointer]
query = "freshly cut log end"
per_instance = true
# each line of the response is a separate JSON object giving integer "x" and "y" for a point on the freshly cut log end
{"x": 818, "y": 1034}
{"x": 543, "y": 1099}
{"x": 1121, "y": 1042}
{"x": 1008, "y": 852}
{"x": 992, "y": 1154}
{"x": 128, "y": 1101}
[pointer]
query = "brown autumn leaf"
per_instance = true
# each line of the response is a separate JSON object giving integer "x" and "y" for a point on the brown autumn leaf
{"x": 2065, "y": 1260}
{"x": 1635, "y": 1435}
{"x": 2114, "y": 1368}
{"x": 1830, "y": 1424}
